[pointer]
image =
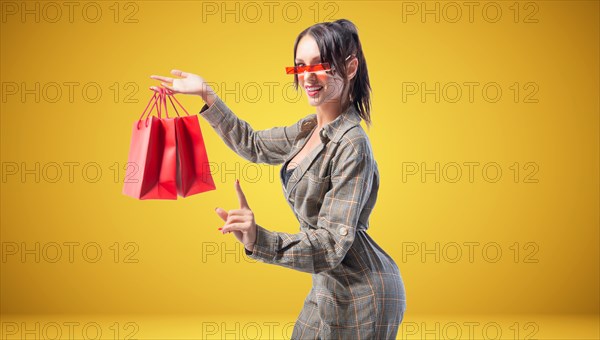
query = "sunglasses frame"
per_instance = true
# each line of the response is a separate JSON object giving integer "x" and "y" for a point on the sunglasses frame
{"x": 310, "y": 68}
{"x": 299, "y": 70}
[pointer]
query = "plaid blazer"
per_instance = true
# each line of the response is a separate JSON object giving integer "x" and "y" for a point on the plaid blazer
{"x": 357, "y": 290}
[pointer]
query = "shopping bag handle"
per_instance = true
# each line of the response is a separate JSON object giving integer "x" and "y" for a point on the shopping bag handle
{"x": 159, "y": 99}
{"x": 153, "y": 99}
{"x": 170, "y": 94}
{"x": 165, "y": 93}
{"x": 162, "y": 101}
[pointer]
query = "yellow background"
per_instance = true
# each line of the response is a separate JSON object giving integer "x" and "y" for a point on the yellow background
{"x": 179, "y": 270}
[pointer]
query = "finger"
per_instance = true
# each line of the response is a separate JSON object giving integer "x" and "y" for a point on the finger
{"x": 161, "y": 78}
{"x": 222, "y": 213}
{"x": 237, "y": 219}
{"x": 238, "y": 212}
{"x": 169, "y": 87}
{"x": 179, "y": 73}
{"x": 233, "y": 227}
{"x": 241, "y": 196}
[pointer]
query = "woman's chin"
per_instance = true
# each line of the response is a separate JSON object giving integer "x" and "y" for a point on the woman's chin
{"x": 315, "y": 101}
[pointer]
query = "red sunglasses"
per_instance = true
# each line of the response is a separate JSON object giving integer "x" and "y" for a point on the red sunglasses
{"x": 307, "y": 68}
{"x": 311, "y": 68}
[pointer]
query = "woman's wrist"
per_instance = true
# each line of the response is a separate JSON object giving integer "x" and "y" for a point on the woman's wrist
{"x": 209, "y": 96}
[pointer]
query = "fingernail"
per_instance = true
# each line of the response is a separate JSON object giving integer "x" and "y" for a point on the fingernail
{"x": 220, "y": 229}
{"x": 216, "y": 208}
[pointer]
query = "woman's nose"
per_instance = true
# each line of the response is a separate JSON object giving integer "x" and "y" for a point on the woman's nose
{"x": 308, "y": 75}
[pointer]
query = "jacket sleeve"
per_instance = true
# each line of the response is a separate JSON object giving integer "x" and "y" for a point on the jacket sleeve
{"x": 322, "y": 249}
{"x": 258, "y": 146}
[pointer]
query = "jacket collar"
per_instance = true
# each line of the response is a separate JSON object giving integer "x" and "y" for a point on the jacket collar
{"x": 334, "y": 130}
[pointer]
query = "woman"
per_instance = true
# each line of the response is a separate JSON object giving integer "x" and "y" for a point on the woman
{"x": 330, "y": 180}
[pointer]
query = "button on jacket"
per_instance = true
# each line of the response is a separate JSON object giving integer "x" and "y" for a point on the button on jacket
{"x": 357, "y": 290}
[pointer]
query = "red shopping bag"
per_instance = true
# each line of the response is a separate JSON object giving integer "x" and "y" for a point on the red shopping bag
{"x": 151, "y": 167}
{"x": 193, "y": 169}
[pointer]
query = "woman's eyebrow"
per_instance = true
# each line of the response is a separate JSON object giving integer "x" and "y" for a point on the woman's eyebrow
{"x": 299, "y": 60}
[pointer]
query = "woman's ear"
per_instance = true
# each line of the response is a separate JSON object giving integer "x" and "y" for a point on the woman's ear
{"x": 352, "y": 68}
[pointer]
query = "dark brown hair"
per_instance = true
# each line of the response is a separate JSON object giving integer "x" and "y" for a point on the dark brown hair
{"x": 337, "y": 40}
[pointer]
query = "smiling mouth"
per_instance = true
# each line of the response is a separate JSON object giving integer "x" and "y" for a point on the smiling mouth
{"x": 313, "y": 90}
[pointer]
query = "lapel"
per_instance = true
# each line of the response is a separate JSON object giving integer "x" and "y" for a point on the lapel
{"x": 331, "y": 132}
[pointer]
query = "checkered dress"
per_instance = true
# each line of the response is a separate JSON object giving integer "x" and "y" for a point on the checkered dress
{"x": 357, "y": 290}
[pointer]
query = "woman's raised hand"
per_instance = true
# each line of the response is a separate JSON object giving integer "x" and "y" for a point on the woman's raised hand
{"x": 188, "y": 83}
{"x": 240, "y": 221}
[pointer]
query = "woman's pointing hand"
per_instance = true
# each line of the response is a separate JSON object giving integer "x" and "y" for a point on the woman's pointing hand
{"x": 240, "y": 221}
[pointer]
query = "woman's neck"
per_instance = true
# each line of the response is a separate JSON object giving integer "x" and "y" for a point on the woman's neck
{"x": 328, "y": 112}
